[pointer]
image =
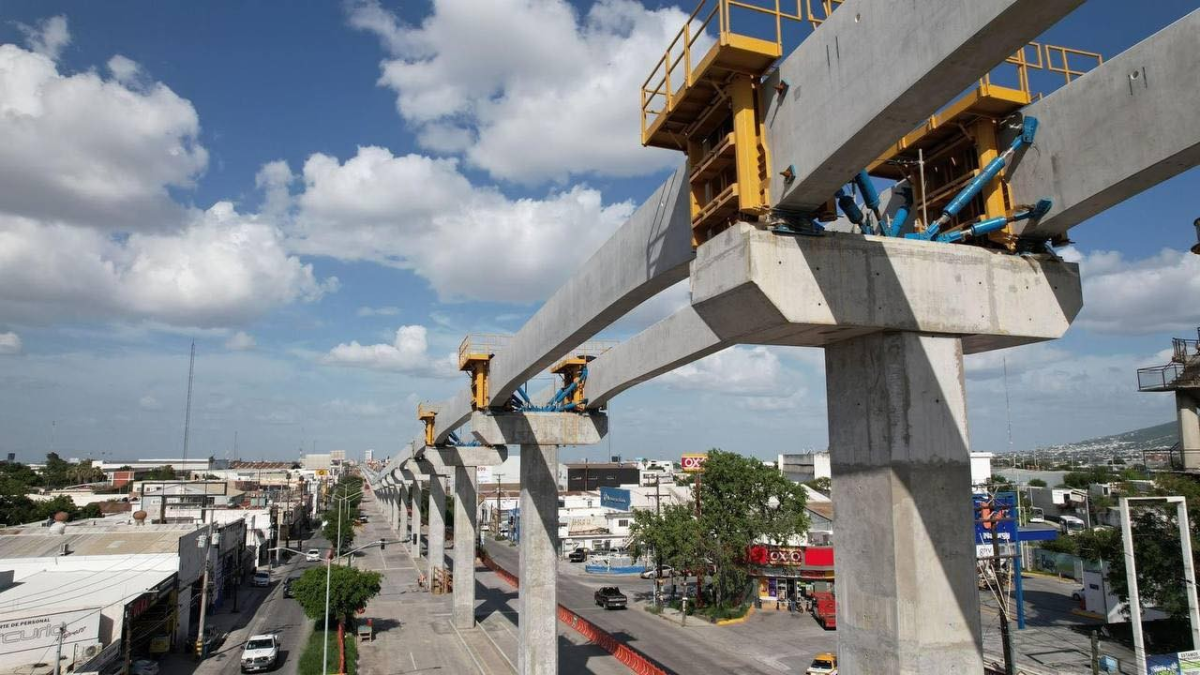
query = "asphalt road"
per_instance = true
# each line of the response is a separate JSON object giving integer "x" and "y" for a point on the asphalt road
{"x": 675, "y": 648}
{"x": 262, "y": 611}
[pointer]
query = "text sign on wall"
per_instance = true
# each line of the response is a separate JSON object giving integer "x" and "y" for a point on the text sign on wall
{"x": 693, "y": 462}
{"x": 40, "y": 632}
{"x": 615, "y": 498}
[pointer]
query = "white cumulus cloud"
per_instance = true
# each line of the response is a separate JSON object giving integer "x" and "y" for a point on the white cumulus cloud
{"x": 745, "y": 371}
{"x": 1131, "y": 297}
{"x": 89, "y": 151}
{"x": 420, "y": 213}
{"x": 408, "y": 353}
{"x": 10, "y": 343}
{"x": 240, "y": 342}
{"x": 48, "y": 37}
{"x": 529, "y": 91}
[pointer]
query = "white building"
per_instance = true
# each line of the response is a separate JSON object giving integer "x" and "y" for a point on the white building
{"x": 804, "y": 467}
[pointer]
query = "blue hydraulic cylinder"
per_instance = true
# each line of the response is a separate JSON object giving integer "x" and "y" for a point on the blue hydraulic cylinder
{"x": 901, "y": 218}
{"x": 846, "y": 203}
{"x": 992, "y": 224}
{"x": 869, "y": 193}
{"x": 1028, "y": 131}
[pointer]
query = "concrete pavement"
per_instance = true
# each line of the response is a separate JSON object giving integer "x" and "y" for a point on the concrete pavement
{"x": 415, "y": 631}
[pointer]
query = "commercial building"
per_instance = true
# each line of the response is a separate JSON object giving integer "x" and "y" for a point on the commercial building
{"x": 593, "y": 476}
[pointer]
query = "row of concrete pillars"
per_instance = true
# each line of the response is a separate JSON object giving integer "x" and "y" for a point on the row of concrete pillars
{"x": 537, "y": 598}
{"x": 905, "y": 554}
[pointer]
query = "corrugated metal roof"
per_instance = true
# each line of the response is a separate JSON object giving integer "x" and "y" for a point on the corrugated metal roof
{"x": 61, "y": 590}
{"x": 92, "y": 541}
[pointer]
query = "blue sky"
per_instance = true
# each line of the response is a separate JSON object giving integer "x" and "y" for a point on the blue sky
{"x": 307, "y": 192}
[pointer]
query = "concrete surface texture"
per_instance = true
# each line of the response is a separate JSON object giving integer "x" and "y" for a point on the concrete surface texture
{"x": 845, "y": 107}
{"x": 1186, "y": 401}
{"x": 539, "y": 428}
{"x": 436, "y": 531}
{"x": 538, "y": 604}
{"x": 466, "y": 513}
{"x": 907, "y": 597}
{"x": 1123, "y": 127}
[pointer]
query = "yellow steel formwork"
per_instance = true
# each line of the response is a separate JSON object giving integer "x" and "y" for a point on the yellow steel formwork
{"x": 427, "y": 413}
{"x": 962, "y": 138}
{"x": 474, "y": 357}
{"x": 702, "y": 97}
{"x": 570, "y": 369}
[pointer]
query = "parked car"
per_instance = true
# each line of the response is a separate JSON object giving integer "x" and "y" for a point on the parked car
{"x": 825, "y": 663}
{"x": 313, "y": 555}
{"x": 261, "y": 579}
{"x": 663, "y": 571}
{"x": 611, "y": 597}
{"x": 261, "y": 653}
{"x": 1077, "y": 595}
{"x": 578, "y": 555}
{"x": 143, "y": 667}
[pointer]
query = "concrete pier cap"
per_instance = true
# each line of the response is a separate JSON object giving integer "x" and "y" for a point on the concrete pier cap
{"x": 753, "y": 286}
{"x": 539, "y": 428}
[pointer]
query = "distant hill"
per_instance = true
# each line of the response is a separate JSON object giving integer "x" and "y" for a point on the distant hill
{"x": 1158, "y": 437}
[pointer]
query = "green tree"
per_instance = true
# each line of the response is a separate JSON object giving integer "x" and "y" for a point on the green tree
{"x": 332, "y": 529}
{"x": 822, "y": 485}
{"x": 674, "y": 535}
{"x": 1085, "y": 477}
{"x": 164, "y": 472}
{"x": 350, "y": 590}
{"x": 1037, "y": 482}
{"x": 743, "y": 501}
{"x": 55, "y": 471}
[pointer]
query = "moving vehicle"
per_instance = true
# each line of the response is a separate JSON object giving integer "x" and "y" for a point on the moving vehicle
{"x": 824, "y": 609}
{"x": 1071, "y": 525}
{"x": 824, "y": 663}
{"x": 287, "y": 586}
{"x": 1036, "y": 515}
{"x": 663, "y": 571}
{"x": 611, "y": 597}
{"x": 260, "y": 579}
{"x": 1077, "y": 595}
{"x": 261, "y": 653}
{"x": 313, "y": 555}
{"x": 578, "y": 555}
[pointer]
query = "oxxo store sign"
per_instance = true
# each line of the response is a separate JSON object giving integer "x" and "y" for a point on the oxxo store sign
{"x": 788, "y": 572}
{"x": 693, "y": 462}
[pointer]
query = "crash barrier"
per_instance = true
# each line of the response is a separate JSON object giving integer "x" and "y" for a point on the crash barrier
{"x": 632, "y": 658}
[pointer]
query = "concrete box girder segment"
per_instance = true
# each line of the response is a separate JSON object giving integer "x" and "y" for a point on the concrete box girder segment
{"x": 1123, "y": 127}
{"x": 872, "y": 72}
{"x": 445, "y": 459}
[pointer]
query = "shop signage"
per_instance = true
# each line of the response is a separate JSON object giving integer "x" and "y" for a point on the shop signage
{"x": 693, "y": 462}
{"x": 615, "y": 498}
{"x": 41, "y": 632}
{"x": 1002, "y": 506}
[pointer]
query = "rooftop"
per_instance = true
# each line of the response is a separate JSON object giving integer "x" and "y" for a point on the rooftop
{"x": 86, "y": 540}
{"x": 47, "y": 591}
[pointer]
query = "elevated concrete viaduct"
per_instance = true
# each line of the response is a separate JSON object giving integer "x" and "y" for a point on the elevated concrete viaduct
{"x": 894, "y": 316}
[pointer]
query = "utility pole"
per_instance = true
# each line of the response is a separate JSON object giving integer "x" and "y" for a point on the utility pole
{"x": 1095, "y": 653}
{"x": 1006, "y": 639}
{"x": 204, "y": 595}
{"x": 187, "y": 415}
{"x": 657, "y": 549}
{"x": 62, "y": 630}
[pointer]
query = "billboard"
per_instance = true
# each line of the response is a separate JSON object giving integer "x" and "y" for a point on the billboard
{"x": 615, "y": 498}
{"x": 483, "y": 474}
{"x": 693, "y": 462}
{"x": 1002, "y": 506}
{"x": 27, "y": 639}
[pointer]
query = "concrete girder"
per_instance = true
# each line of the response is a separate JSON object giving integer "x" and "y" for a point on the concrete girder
{"x": 861, "y": 110}
{"x": 467, "y": 455}
{"x": 539, "y": 428}
{"x": 755, "y": 287}
{"x": 842, "y": 110}
{"x": 1121, "y": 128}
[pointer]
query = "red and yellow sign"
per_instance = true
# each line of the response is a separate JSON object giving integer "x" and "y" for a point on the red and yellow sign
{"x": 693, "y": 462}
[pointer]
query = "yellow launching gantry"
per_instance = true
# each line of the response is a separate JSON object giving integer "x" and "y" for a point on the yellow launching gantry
{"x": 572, "y": 368}
{"x": 703, "y": 97}
{"x": 474, "y": 357}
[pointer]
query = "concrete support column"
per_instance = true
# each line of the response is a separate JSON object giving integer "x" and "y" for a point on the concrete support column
{"x": 1189, "y": 428}
{"x": 537, "y": 602}
{"x": 465, "y": 536}
{"x": 437, "y": 526}
{"x": 905, "y": 563}
{"x": 416, "y": 521}
{"x": 402, "y": 509}
{"x": 394, "y": 506}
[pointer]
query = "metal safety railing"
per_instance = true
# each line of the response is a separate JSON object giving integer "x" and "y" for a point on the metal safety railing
{"x": 1184, "y": 350}
{"x": 481, "y": 344}
{"x": 1041, "y": 57}
{"x": 1159, "y": 377}
{"x": 759, "y": 19}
